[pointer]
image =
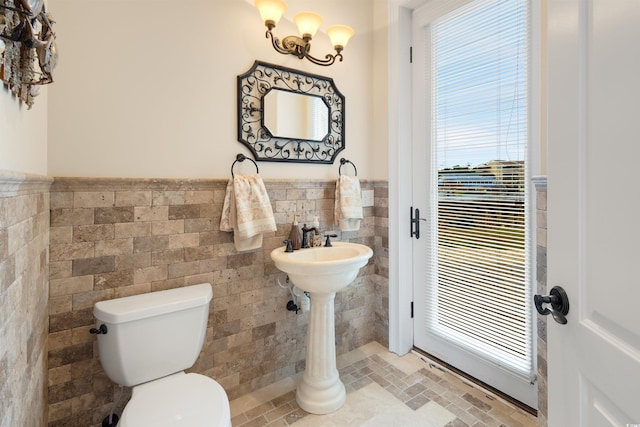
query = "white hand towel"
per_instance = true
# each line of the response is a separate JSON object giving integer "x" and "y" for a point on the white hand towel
{"x": 348, "y": 208}
{"x": 247, "y": 212}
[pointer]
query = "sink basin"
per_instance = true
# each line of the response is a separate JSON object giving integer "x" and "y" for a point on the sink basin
{"x": 323, "y": 269}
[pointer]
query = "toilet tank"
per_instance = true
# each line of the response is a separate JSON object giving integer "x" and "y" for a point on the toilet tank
{"x": 152, "y": 335}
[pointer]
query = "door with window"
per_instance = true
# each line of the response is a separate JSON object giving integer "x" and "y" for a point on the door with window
{"x": 472, "y": 281}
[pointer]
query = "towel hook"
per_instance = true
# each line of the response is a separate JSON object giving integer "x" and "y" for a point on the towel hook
{"x": 241, "y": 158}
{"x": 342, "y": 162}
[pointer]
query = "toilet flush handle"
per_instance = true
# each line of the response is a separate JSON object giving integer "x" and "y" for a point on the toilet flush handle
{"x": 101, "y": 330}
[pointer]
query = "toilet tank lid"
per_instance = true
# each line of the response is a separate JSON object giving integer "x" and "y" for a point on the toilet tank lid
{"x": 151, "y": 304}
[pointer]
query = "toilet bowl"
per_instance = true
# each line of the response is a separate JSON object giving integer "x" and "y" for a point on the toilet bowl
{"x": 146, "y": 342}
{"x": 189, "y": 400}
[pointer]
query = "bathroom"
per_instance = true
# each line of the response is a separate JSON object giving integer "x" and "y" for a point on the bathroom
{"x": 192, "y": 150}
{"x": 139, "y": 130}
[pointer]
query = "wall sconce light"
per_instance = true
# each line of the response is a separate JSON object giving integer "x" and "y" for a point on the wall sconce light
{"x": 308, "y": 23}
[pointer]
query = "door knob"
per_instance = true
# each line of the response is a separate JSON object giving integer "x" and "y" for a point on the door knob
{"x": 558, "y": 301}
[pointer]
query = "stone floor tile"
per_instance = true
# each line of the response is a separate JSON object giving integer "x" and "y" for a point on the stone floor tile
{"x": 256, "y": 422}
{"x": 279, "y": 412}
{"x": 280, "y": 422}
{"x": 361, "y": 382}
{"x": 378, "y": 379}
{"x": 457, "y": 423}
{"x": 417, "y": 394}
{"x": 478, "y": 403}
{"x": 284, "y": 399}
{"x": 461, "y": 413}
{"x": 259, "y": 410}
{"x": 295, "y": 416}
{"x": 484, "y": 417}
{"x": 415, "y": 389}
{"x": 417, "y": 402}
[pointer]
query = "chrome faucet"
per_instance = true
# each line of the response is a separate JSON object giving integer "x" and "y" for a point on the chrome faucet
{"x": 305, "y": 237}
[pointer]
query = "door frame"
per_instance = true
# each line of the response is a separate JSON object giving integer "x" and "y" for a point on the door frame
{"x": 399, "y": 142}
{"x": 400, "y": 176}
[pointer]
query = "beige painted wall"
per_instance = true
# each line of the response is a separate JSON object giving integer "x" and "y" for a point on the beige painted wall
{"x": 23, "y": 134}
{"x": 148, "y": 89}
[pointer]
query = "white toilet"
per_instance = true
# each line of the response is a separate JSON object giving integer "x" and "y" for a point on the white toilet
{"x": 146, "y": 343}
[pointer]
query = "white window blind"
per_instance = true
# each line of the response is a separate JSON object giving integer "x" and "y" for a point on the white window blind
{"x": 479, "y": 262}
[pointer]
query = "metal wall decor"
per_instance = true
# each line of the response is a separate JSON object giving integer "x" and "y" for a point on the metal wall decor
{"x": 260, "y": 80}
{"x": 28, "y": 52}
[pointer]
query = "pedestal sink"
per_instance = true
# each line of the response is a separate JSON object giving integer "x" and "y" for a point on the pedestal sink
{"x": 322, "y": 271}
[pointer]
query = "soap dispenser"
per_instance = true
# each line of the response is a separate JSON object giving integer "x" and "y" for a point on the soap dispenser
{"x": 294, "y": 235}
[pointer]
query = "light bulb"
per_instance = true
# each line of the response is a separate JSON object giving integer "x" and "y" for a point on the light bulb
{"x": 270, "y": 10}
{"x": 340, "y": 35}
{"x": 308, "y": 23}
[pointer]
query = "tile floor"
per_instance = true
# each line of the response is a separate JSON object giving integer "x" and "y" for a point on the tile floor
{"x": 384, "y": 389}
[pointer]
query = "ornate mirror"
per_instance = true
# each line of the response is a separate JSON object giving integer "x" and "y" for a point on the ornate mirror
{"x": 286, "y": 115}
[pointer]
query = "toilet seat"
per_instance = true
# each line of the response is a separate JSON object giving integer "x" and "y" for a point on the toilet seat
{"x": 178, "y": 400}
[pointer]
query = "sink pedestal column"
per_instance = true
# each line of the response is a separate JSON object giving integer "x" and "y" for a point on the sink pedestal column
{"x": 321, "y": 391}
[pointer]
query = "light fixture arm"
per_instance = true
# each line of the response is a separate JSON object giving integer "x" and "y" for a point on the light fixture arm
{"x": 300, "y": 47}
{"x": 276, "y": 43}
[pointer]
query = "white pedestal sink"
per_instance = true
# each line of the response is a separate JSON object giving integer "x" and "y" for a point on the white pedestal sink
{"x": 322, "y": 271}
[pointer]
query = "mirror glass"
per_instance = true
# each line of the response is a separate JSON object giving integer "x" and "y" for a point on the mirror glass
{"x": 293, "y": 115}
{"x": 286, "y": 115}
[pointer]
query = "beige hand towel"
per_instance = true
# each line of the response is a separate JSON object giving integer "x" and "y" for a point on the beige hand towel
{"x": 226, "y": 221}
{"x": 253, "y": 208}
{"x": 247, "y": 212}
{"x": 229, "y": 223}
{"x": 348, "y": 207}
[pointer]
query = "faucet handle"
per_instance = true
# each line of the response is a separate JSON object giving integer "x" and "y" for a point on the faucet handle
{"x": 327, "y": 242}
{"x": 289, "y": 244}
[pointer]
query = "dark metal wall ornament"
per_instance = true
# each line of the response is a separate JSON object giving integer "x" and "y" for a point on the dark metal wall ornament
{"x": 262, "y": 78}
{"x": 28, "y": 52}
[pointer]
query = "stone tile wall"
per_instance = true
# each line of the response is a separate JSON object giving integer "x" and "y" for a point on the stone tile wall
{"x": 381, "y": 255}
{"x": 116, "y": 237}
{"x": 24, "y": 291}
{"x": 541, "y": 257}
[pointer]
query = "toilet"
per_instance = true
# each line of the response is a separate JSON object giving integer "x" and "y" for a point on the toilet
{"x": 146, "y": 342}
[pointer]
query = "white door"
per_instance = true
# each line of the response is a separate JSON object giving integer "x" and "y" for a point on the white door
{"x": 471, "y": 263}
{"x": 593, "y": 211}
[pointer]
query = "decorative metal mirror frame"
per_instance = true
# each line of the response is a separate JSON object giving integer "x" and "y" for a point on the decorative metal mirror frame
{"x": 263, "y": 77}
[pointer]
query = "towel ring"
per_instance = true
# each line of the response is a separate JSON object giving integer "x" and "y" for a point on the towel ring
{"x": 241, "y": 158}
{"x": 342, "y": 162}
